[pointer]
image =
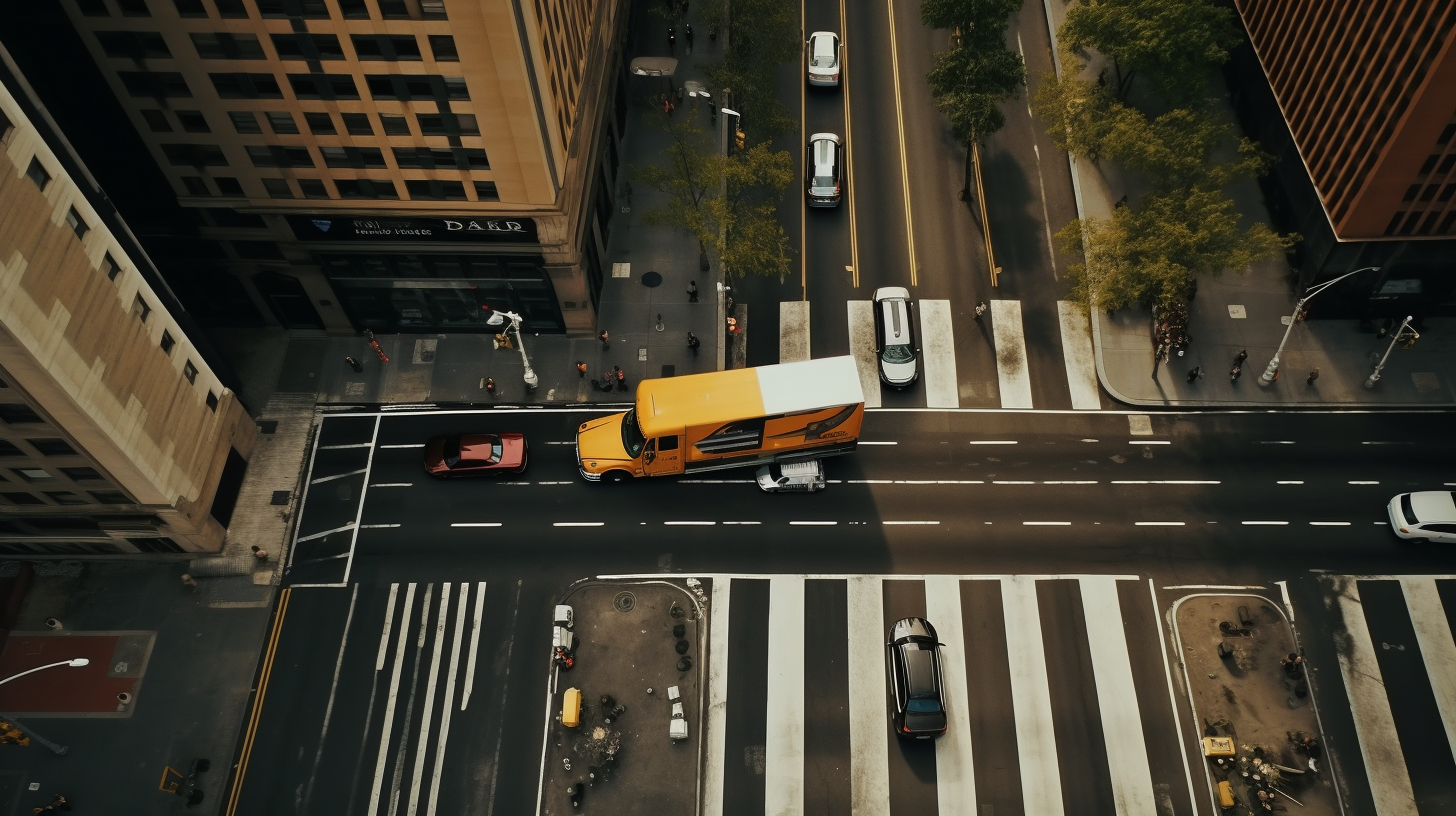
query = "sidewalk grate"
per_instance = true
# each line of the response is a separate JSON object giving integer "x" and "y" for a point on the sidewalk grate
{"x": 624, "y": 602}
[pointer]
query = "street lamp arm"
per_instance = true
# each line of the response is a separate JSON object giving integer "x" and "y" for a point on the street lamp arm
{"x": 77, "y": 662}
{"x": 1272, "y": 370}
{"x": 1315, "y": 290}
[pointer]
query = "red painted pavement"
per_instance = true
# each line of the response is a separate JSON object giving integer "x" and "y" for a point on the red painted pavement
{"x": 62, "y": 689}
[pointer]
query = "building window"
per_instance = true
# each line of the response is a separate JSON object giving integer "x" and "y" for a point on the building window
{"x": 65, "y": 497}
{"x": 212, "y": 401}
{"x": 431, "y": 158}
{"x": 390, "y": 47}
{"x": 157, "y": 121}
{"x": 168, "y": 342}
{"x": 443, "y": 47}
{"x": 313, "y": 188}
{"x": 155, "y": 84}
{"x": 448, "y": 124}
{"x": 52, "y": 447}
{"x": 366, "y": 188}
{"x": 8, "y": 448}
{"x": 81, "y": 474}
{"x": 37, "y": 173}
{"x": 395, "y": 124}
{"x": 190, "y": 8}
{"x": 277, "y": 188}
{"x": 194, "y": 155}
{"x": 282, "y": 122}
{"x": 134, "y": 45}
{"x": 93, "y": 8}
{"x": 352, "y": 156}
{"x": 231, "y": 8}
{"x": 196, "y": 185}
{"x": 357, "y": 124}
{"x": 279, "y": 156}
{"x": 112, "y": 268}
{"x": 32, "y": 474}
{"x": 245, "y": 122}
{"x": 354, "y": 9}
{"x": 393, "y": 10}
{"x": 405, "y": 87}
{"x": 308, "y": 9}
{"x": 193, "y": 121}
{"x": 485, "y": 191}
{"x": 308, "y": 46}
{"x": 190, "y": 372}
{"x": 431, "y": 189}
{"x": 109, "y": 497}
{"x": 323, "y": 86}
{"x": 228, "y": 186}
{"x": 134, "y": 8}
{"x": 18, "y": 413}
{"x": 22, "y": 498}
{"x": 433, "y": 9}
{"x": 140, "y": 309}
{"x": 321, "y": 124}
{"x": 77, "y": 224}
{"x": 246, "y": 86}
{"x": 219, "y": 45}
{"x": 258, "y": 250}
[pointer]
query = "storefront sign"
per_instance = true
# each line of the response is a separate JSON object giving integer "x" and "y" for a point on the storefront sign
{"x": 460, "y": 228}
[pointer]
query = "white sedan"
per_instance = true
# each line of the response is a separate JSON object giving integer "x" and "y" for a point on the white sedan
{"x": 1429, "y": 514}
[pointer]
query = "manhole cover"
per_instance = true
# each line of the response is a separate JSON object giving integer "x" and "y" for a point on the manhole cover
{"x": 624, "y": 602}
{"x": 651, "y": 280}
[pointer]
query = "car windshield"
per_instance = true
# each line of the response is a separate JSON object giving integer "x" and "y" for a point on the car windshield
{"x": 451, "y": 453}
{"x": 1408, "y": 510}
{"x": 922, "y": 705}
{"x": 897, "y": 354}
{"x": 823, "y": 181}
{"x": 632, "y": 438}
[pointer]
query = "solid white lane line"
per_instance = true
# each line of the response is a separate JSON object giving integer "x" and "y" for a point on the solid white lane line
{"x": 718, "y": 481}
{"x": 1438, "y": 650}
{"x": 375, "y": 526}
{"x": 793, "y": 331}
{"x": 1011, "y": 371}
{"x": 1072, "y": 482}
{"x": 578, "y": 524}
{"x": 783, "y": 748}
{"x": 422, "y": 745}
{"x": 1173, "y": 695}
{"x": 887, "y": 523}
{"x": 1275, "y": 442}
{"x": 1265, "y": 523}
{"x": 993, "y": 441}
{"x": 717, "y": 703}
{"x": 1047, "y": 523}
{"x": 814, "y": 523}
{"x": 862, "y": 346}
{"x": 1362, "y": 483}
{"x": 345, "y": 447}
{"x": 1149, "y": 442}
{"x": 743, "y": 522}
{"x": 393, "y": 484}
{"x": 475, "y": 643}
{"x": 862, "y": 442}
{"x": 955, "y": 775}
{"x": 567, "y": 442}
{"x": 1387, "y": 443}
{"x": 689, "y": 523}
{"x": 391, "y": 698}
{"x": 1166, "y": 481}
{"x": 1031, "y": 699}
{"x": 1290, "y": 482}
{"x": 1122, "y": 724}
{"x": 1078, "y": 355}
{"x": 411, "y": 445}
{"x": 937, "y": 351}
{"x": 448, "y": 708}
{"x": 1011, "y": 482}
{"x": 1329, "y": 524}
{"x": 477, "y": 524}
{"x": 1157, "y": 524}
{"x": 1385, "y": 766}
{"x": 869, "y": 738}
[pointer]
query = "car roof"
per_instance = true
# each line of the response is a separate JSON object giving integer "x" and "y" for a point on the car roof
{"x": 919, "y": 661}
{"x": 822, "y": 43}
{"x": 1433, "y": 506}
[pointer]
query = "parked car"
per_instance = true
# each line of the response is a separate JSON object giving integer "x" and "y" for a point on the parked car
{"x": 822, "y": 55}
{"x": 824, "y": 169}
{"x": 1428, "y": 514}
{"x": 475, "y": 454}
{"x": 895, "y": 337}
{"x": 916, "y": 678}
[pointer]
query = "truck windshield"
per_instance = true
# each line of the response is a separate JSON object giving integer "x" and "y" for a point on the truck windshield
{"x": 632, "y": 438}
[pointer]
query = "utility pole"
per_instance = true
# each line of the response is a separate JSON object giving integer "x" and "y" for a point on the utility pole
{"x": 1399, "y": 333}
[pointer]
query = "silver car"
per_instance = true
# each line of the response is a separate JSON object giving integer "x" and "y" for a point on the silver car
{"x": 822, "y": 54}
{"x": 895, "y": 337}
{"x": 824, "y": 169}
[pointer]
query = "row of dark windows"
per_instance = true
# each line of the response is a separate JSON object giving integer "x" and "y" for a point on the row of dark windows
{"x": 403, "y": 87}
{"x": 424, "y": 158}
{"x": 45, "y": 447}
{"x": 141, "y": 45}
{"x": 306, "y": 9}
{"x": 320, "y": 124}
{"x": 66, "y": 497}
{"x": 363, "y": 189}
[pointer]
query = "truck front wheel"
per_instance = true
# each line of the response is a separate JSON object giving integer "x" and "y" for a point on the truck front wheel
{"x": 616, "y": 476}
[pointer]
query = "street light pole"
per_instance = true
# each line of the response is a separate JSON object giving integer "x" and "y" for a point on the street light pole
{"x": 75, "y": 663}
{"x": 1273, "y": 368}
{"x": 529, "y": 376}
{"x": 1375, "y": 375}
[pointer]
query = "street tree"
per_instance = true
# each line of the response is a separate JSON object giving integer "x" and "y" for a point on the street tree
{"x": 1172, "y": 42}
{"x": 689, "y": 177}
{"x": 979, "y": 21}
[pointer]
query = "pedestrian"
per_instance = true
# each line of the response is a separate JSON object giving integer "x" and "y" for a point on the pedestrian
{"x": 713, "y": 111}
{"x": 490, "y": 386}
{"x": 693, "y": 343}
{"x": 581, "y": 369}
{"x": 668, "y": 107}
{"x": 692, "y": 291}
{"x": 259, "y": 553}
{"x": 672, "y": 40}
{"x": 980, "y": 310}
{"x": 1241, "y": 357}
{"x": 606, "y": 346}
{"x": 1235, "y": 372}
{"x": 685, "y": 8}
{"x": 1313, "y": 375}
{"x": 732, "y": 325}
{"x": 621, "y": 378}
{"x": 1194, "y": 373}
{"x": 354, "y": 364}
{"x": 688, "y": 30}
{"x": 609, "y": 380}
{"x": 189, "y": 582}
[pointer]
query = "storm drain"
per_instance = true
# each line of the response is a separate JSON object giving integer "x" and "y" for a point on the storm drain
{"x": 624, "y": 602}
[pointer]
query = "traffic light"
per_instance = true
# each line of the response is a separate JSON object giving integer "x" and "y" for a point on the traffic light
{"x": 738, "y": 137}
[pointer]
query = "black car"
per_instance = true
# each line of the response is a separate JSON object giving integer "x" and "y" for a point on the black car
{"x": 916, "y": 678}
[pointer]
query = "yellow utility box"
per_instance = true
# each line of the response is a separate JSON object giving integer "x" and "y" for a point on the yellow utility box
{"x": 1218, "y": 746}
{"x": 1225, "y": 795}
{"x": 571, "y": 708}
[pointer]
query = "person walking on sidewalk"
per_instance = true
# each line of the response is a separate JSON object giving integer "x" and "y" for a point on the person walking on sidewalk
{"x": 490, "y": 386}
{"x": 1195, "y": 373}
{"x": 1241, "y": 357}
{"x": 980, "y": 310}
{"x": 259, "y": 554}
{"x": 354, "y": 364}
{"x": 693, "y": 343}
{"x": 189, "y": 582}
{"x": 692, "y": 291}
{"x": 580, "y": 369}
{"x": 688, "y": 31}
{"x": 606, "y": 344}
{"x": 608, "y": 380}
{"x": 621, "y": 378}
{"x": 1313, "y": 375}
{"x": 672, "y": 40}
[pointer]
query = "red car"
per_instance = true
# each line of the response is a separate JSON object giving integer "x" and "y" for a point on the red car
{"x": 475, "y": 454}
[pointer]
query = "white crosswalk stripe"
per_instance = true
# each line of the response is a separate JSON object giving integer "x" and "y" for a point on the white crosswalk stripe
{"x": 937, "y": 344}
{"x": 1127, "y": 752}
{"x": 1079, "y": 356}
{"x": 1011, "y": 370}
{"x": 1438, "y": 649}
{"x": 955, "y": 776}
{"x": 1031, "y": 700}
{"x": 862, "y": 346}
{"x": 793, "y": 331}
{"x": 783, "y": 751}
{"x": 869, "y": 742}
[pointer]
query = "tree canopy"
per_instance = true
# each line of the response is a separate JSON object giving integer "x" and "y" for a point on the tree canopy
{"x": 1171, "y": 42}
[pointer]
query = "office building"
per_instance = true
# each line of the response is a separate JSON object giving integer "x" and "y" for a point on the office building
{"x": 117, "y": 436}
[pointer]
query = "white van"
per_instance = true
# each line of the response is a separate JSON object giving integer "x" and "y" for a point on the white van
{"x": 801, "y": 476}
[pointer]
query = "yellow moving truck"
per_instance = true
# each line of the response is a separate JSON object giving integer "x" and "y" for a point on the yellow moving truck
{"x": 747, "y": 416}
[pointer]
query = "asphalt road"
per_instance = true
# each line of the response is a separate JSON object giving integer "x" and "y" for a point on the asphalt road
{"x": 1211, "y": 498}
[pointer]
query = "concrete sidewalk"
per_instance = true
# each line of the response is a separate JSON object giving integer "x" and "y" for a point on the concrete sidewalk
{"x": 1246, "y": 310}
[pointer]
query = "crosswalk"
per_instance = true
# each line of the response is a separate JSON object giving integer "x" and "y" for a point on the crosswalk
{"x": 1039, "y": 685}
{"x": 940, "y": 379}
